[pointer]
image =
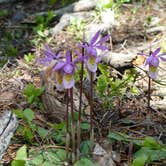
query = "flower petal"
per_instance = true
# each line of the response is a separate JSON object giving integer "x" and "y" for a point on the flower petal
{"x": 91, "y": 51}
{"x": 68, "y": 81}
{"x": 68, "y": 68}
{"x": 147, "y": 61}
{"x": 59, "y": 66}
{"x": 48, "y": 52}
{"x": 162, "y": 54}
{"x": 143, "y": 54}
{"x": 163, "y": 59}
{"x": 156, "y": 52}
{"x": 95, "y": 37}
{"x": 68, "y": 56}
{"x": 154, "y": 61}
{"x": 59, "y": 81}
{"x": 103, "y": 48}
{"x": 153, "y": 72}
{"x": 98, "y": 59}
{"x": 91, "y": 64}
{"x": 104, "y": 39}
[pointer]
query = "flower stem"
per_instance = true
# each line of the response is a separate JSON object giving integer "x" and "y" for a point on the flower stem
{"x": 80, "y": 107}
{"x": 149, "y": 92}
{"x": 91, "y": 111}
{"x": 72, "y": 126}
{"x": 67, "y": 125}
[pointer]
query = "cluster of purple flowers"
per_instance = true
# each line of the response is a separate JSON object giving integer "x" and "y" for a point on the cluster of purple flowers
{"x": 65, "y": 69}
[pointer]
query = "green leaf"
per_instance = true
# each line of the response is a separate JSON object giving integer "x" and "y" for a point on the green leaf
{"x": 42, "y": 132}
{"x": 18, "y": 163}
{"x": 28, "y": 134}
{"x": 118, "y": 136}
{"x": 151, "y": 154}
{"x": 59, "y": 126}
{"x": 21, "y": 154}
{"x": 19, "y": 113}
{"x": 38, "y": 91}
{"x": 84, "y": 162}
{"x": 151, "y": 142}
{"x": 61, "y": 154}
{"x": 124, "y": 138}
{"x": 85, "y": 126}
{"x": 31, "y": 92}
{"x": 28, "y": 114}
{"x": 140, "y": 161}
{"x": 29, "y": 57}
{"x": 102, "y": 84}
{"x": 85, "y": 147}
{"x": 31, "y": 99}
{"x": 41, "y": 33}
{"x": 37, "y": 160}
{"x": 47, "y": 163}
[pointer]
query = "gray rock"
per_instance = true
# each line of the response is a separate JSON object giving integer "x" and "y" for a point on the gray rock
{"x": 8, "y": 125}
{"x": 118, "y": 60}
{"x": 80, "y": 6}
{"x": 65, "y": 21}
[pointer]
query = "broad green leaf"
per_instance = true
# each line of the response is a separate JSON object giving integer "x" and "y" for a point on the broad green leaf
{"x": 85, "y": 147}
{"x": 37, "y": 160}
{"x": 52, "y": 156}
{"x": 61, "y": 154}
{"x": 28, "y": 114}
{"x": 84, "y": 162}
{"x": 18, "y": 163}
{"x": 140, "y": 161}
{"x": 118, "y": 136}
{"x": 157, "y": 154}
{"x": 42, "y": 132}
{"x": 151, "y": 154}
{"x": 85, "y": 126}
{"x": 21, "y": 154}
{"x": 124, "y": 138}
{"x": 151, "y": 142}
{"x": 47, "y": 163}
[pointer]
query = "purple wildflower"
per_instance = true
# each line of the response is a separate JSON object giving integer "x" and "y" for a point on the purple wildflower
{"x": 91, "y": 48}
{"x": 49, "y": 56}
{"x": 65, "y": 71}
{"x": 153, "y": 61}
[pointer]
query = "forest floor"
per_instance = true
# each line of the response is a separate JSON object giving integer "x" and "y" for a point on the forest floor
{"x": 129, "y": 113}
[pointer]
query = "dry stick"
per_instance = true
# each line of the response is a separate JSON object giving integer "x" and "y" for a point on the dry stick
{"x": 80, "y": 106}
{"x": 72, "y": 126}
{"x": 91, "y": 111}
{"x": 67, "y": 125}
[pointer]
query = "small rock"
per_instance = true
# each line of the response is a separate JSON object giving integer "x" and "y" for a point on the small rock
{"x": 98, "y": 150}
